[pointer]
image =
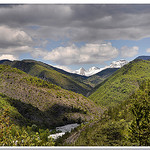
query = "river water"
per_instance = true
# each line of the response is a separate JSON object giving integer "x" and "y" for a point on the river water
{"x": 63, "y": 130}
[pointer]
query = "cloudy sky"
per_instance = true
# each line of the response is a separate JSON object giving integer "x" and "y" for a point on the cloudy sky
{"x": 74, "y": 36}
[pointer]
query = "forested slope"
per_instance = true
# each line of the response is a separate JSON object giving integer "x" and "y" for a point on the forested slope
{"x": 122, "y": 84}
{"x": 125, "y": 124}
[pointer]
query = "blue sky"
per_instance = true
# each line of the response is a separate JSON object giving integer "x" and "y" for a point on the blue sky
{"x": 74, "y": 36}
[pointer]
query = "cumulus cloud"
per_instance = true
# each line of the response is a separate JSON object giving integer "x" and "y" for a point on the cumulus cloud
{"x": 13, "y": 42}
{"x": 8, "y": 56}
{"x": 87, "y": 54}
{"x": 13, "y": 37}
{"x": 129, "y": 51}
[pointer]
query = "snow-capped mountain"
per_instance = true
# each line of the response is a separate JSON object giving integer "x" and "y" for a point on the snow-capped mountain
{"x": 94, "y": 70}
{"x": 89, "y": 72}
{"x": 80, "y": 71}
{"x": 118, "y": 64}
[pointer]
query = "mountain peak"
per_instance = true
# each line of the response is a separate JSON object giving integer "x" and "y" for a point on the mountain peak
{"x": 82, "y": 71}
{"x": 118, "y": 64}
{"x": 93, "y": 70}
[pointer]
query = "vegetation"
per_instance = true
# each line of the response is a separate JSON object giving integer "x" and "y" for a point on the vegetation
{"x": 43, "y": 102}
{"x": 122, "y": 84}
{"x": 30, "y": 106}
{"x": 54, "y": 75}
{"x": 99, "y": 77}
{"x": 76, "y": 83}
{"x": 15, "y": 130}
{"x": 126, "y": 124}
{"x": 140, "y": 126}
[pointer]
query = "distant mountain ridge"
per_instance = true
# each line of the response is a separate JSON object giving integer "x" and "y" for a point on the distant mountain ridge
{"x": 4, "y": 61}
{"x": 143, "y": 57}
{"x": 93, "y": 70}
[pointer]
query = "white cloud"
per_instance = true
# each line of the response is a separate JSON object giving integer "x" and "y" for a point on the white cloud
{"x": 11, "y": 37}
{"x": 8, "y": 56}
{"x": 38, "y": 52}
{"x": 148, "y": 50}
{"x": 129, "y": 51}
{"x": 13, "y": 42}
{"x": 87, "y": 54}
{"x": 16, "y": 50}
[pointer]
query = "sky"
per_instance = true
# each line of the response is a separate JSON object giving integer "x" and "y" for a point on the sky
{"x": 76, "y": 35}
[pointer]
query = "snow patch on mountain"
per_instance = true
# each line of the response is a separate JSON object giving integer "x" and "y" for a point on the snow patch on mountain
{"x": 81, "y": 71}
{"x": 118, "y": 64}
{"x": 94, "y": 70}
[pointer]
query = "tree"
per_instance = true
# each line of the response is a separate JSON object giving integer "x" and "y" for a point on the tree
{"x": 139, "y": 129}
{"x": 13, "y": 135}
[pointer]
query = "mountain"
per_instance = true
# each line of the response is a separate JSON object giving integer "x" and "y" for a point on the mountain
{"x": 66, "y": 80}
{"x": 93, "y": 70}
{"x": 42, "y": 102}
{"x": 143, "y": 57}
{"x": 70, "y": 81}
{"x": 17, "y": 130}
{"x": 30, "y": 107}
{"x": 5, "y": 61}
{"x": 89, "y": 72}
{"x": 125, "y": 124}
{"x": 100, "y": 76}
{"x": 119, "y": 86}
{"x": 81, "y": 71}
{"x": 118, "y": 64}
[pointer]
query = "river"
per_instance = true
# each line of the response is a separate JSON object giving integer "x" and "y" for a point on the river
{"x": 63, "y": 130}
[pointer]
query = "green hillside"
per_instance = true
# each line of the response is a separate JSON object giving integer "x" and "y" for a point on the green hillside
{"x": 125, "y": 124}
{"x": 43, "y": 102}
{"x": 121, "y": 84}
{"x": 56, "y": 76}
{"x": 100, "y": 76}
{"x": 16, "y": 130}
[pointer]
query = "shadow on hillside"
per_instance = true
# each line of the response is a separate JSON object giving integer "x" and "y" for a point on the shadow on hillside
{"x": 54, "y": 116}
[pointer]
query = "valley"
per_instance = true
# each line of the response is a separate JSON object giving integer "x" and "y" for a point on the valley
{"x": 35, "y": 98}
